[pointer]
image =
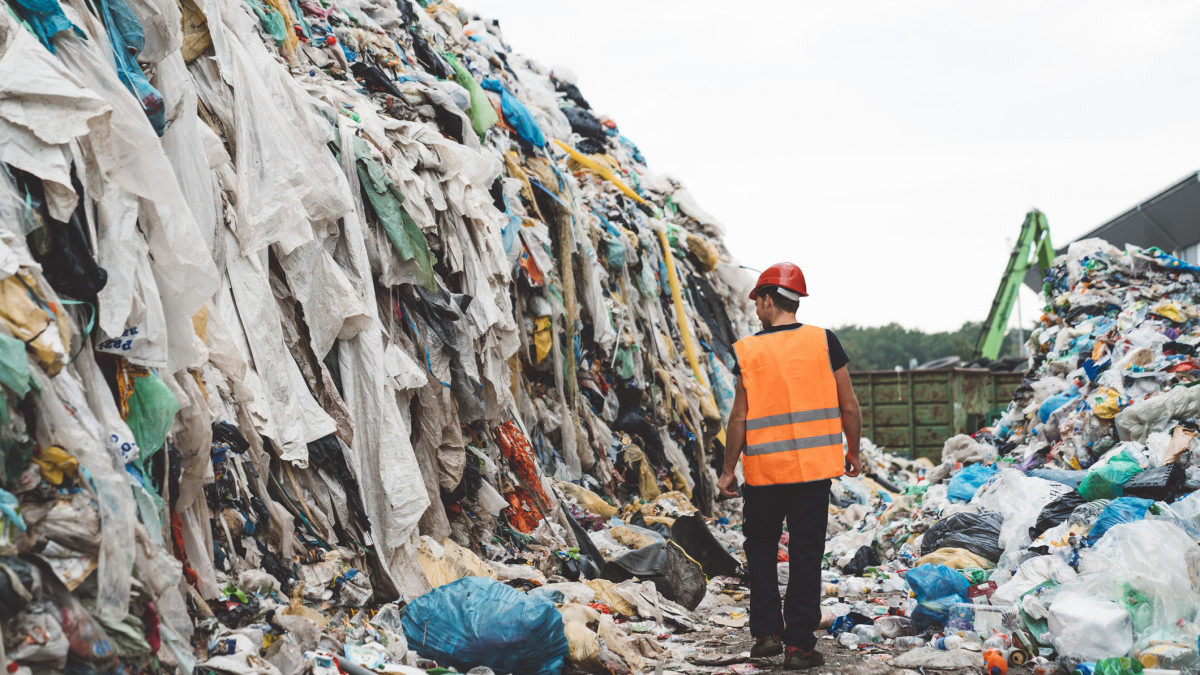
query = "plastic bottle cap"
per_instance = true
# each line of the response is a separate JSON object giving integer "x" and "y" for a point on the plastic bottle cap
{"x": 12, "y": 666}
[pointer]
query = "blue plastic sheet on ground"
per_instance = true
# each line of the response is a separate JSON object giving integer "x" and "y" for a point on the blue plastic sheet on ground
{"x": 936, "y": 588}
{"x": 1066, "y": 477}
{"x": 968, "y": 480}
{"x": 1121, "y": 510}
{"x": 477, "y": 621}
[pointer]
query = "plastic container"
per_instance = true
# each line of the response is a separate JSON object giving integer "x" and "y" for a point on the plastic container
{"x": 907, "y": 642}
{"x": 994, "y": 662}
{"x": 1167, "y": 655}
{"x": 984, "y": 619}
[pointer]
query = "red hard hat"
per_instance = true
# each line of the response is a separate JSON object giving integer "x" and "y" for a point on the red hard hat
{"x": 785, "y": 275}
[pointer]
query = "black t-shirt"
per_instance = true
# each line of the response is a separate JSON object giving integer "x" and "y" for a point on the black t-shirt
{"x": 837, "y": 355}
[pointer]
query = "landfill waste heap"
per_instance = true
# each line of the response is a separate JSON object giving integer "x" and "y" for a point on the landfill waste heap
{"x": 1064, "y": 537}
{"x": 312, "y": 307}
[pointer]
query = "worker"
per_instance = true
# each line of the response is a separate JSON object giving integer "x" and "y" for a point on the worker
{"x": 793, "y": 407}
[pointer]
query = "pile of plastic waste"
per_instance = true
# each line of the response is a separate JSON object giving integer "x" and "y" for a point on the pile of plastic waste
{"x": 309, "y": 310}
{"x": 1064, "y": 537}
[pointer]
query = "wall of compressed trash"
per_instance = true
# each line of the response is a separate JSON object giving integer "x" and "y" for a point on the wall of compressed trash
{"x": 289, "y": 285}
{"x": 1066, "y": 534}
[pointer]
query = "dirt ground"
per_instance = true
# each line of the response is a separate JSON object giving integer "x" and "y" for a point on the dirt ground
{"x": 735, "y": 643}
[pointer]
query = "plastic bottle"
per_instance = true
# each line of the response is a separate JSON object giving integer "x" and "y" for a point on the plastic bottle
{"x": 867, "y": 632}
{"x": 854, "y": 586}
{"x": 997, "y": 641}
{"x": 1047, "y": 668}
{"x": 994, "y": 662}
{"x": 907, "y": 642}
{"x": 971, "y": 640}
{"x": 947, "y": 643}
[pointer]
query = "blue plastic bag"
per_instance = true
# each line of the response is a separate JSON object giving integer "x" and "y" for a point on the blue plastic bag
{"x": 477, "y": 621}
{"x": 937, "y": 588}
{"x": 968, "y": 480}
{"x": 1057, "y": 401}
{"x": 516, "y": 114}
{"x": 1121, "y": 510}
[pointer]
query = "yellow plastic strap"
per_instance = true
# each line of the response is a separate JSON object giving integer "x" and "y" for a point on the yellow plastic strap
{"x": 681, "y": 319}
{"x": 602, "y": 170}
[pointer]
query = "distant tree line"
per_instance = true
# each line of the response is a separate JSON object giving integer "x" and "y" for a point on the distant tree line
{"x": 891, "y": 345}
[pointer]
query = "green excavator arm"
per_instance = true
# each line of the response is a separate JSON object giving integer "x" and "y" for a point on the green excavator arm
{"x": 1033, "y": 246}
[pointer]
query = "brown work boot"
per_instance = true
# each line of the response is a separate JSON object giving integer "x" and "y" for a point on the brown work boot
{"x": 767, "y": 645}
{"x": 800, "y": 659}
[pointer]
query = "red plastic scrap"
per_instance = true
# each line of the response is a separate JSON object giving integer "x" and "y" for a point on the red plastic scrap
{"x": 516, "y": 449}
{"x": 177, "y": 540}
{"x": 522, "y": 513}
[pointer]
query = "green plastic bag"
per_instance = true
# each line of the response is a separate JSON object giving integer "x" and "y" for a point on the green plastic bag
{"x": 483, "y": 115}
{"x": 386, "y": 201}
{"x": 1139, "y": 605}
{"x": 1118, "y": 666}
{"x": 271, "y": 20}
{"x": 14, "y": 366}
{"x": 1108, "y": 481}
{"x": 152, "y": 407}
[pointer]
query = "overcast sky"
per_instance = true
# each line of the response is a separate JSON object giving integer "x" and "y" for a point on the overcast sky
{"x": 891, "y": 149}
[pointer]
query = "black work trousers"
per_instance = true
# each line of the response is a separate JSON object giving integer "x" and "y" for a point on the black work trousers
{"x": 806, "y": 508}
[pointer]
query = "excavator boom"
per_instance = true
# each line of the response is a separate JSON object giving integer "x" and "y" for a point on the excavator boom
{"x": 1033, "y": 245}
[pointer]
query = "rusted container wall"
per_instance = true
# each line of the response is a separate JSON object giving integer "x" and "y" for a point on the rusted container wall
{"x": 917, "y": 410}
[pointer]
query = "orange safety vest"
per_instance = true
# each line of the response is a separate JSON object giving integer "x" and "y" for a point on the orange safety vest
{"x": 793, "y": 422}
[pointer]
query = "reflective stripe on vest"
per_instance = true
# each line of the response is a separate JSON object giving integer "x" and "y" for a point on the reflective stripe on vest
{"x": 793, "y": 422}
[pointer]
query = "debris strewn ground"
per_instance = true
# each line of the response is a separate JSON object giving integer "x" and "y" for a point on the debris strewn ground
{"x": 339, "y": 336}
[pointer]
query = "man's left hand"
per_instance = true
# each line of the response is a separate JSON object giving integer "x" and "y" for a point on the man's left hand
{"x": 853, "y": 464}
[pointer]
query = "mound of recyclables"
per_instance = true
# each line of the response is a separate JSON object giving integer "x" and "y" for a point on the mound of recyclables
{"x": 1070, "y": 527}
{"x": 299, "y": 298}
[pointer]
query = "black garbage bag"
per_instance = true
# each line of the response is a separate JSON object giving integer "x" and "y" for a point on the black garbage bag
{"x": 864, "y": 557}
{"x": 661, "y": 528}
{"x": 17, "y": 583}
{"x": 374, "y": 79}
{"x": 648, "y": 561}
{"x": 572, "y": 92}
{"x": 1165, "y": 483}
{"x": 674, "y": 574}
{"x": 694, "y": 537}
{"x": 585, "y": 124}
{"x": 589, "y": 146}
{"x": 325, "y": 454}
{"x": 590, "y": 558}
{"x": 976, "y": 532}
{"x": 885, "y": 483}
{"x": 61, "y": 248}
{"x": 1055, "y": 513}
{"x": 429, "y": 59}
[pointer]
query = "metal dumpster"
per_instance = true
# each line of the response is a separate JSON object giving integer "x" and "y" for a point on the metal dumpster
{"x": 913, "y": 412}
